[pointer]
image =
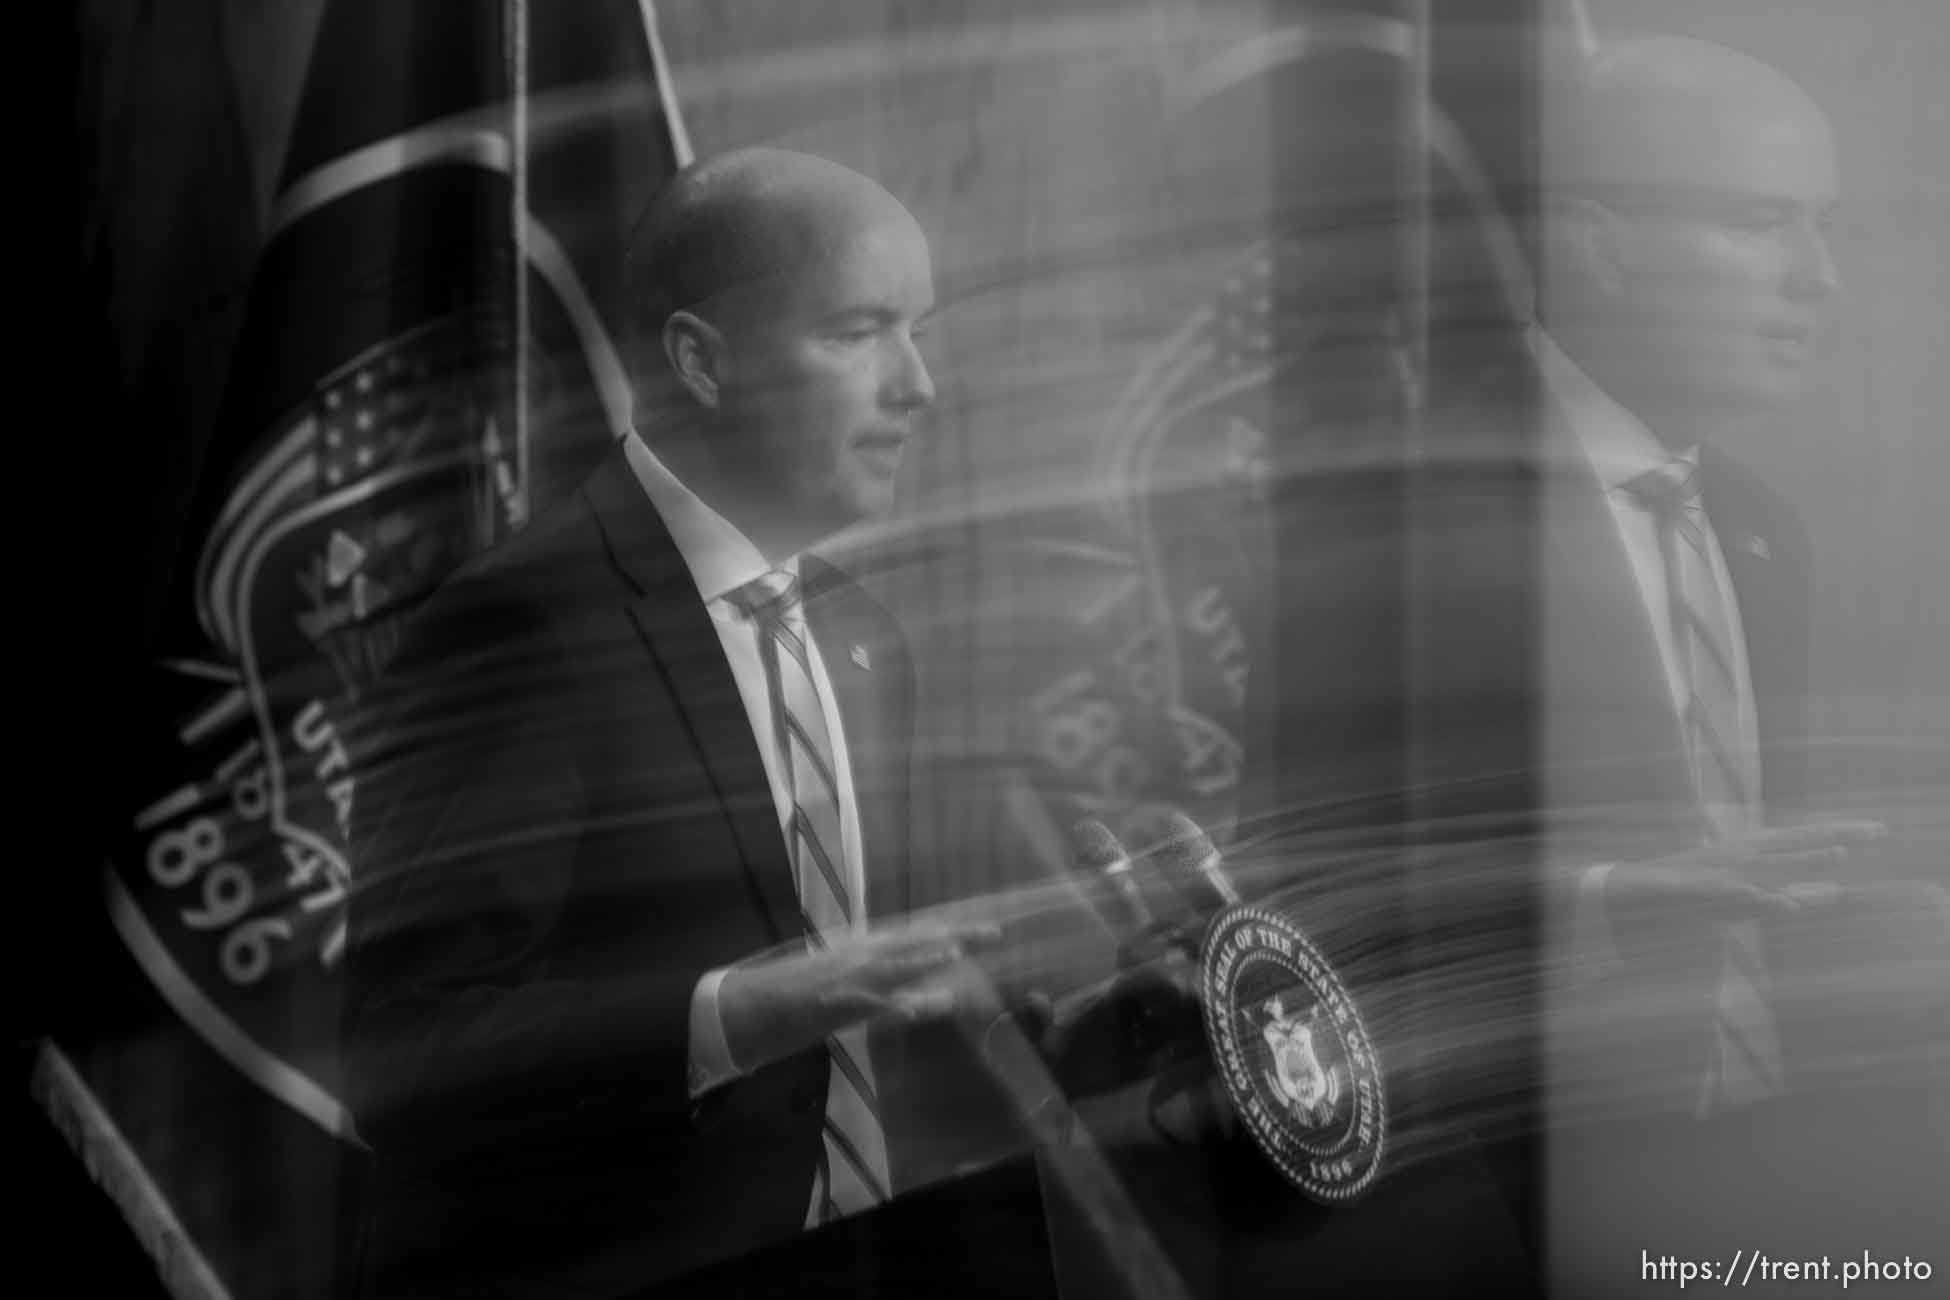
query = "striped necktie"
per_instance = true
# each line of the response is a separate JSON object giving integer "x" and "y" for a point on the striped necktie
{"x": 1744, "y": 1064}
{"x": 852, "y": 1171}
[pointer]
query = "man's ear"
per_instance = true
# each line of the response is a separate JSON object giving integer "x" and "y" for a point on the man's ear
{"x": 1586, "y": 236}
{"x": 696, "y": 353}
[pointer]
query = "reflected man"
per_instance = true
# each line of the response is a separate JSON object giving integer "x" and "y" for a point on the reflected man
{"x": 1688, "y": 261}
{"x": 1690, "y": 190}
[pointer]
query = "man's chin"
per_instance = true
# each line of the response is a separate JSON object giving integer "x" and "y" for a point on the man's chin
{"x": 1737, "y": 393}
{"x": 872, "y": 496}
{"x": 858, "y": 505}
{"x": 1768, "y": 393}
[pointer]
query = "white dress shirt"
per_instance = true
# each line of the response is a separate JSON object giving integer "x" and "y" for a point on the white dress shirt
{"x": 1620, "y": 448}
{"x": 722, "y": 559}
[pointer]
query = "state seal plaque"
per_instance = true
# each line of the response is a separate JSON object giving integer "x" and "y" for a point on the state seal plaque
{"x": 1295, "y": 1057}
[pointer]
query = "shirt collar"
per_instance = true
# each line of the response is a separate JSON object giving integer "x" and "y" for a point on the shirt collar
{"x": 720, "y": 557}
{"x": 1616, "y": 442}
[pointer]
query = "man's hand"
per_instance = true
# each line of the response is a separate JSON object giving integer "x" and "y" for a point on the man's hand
{"x": 777, "y": 1005}
{"x": 1768, "y": 875}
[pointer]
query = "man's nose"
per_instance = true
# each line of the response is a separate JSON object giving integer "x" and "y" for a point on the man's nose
{"x": 910, "y": 386}
{"x": 1815, "y": 274}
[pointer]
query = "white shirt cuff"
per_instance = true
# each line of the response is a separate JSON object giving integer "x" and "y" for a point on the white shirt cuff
{"x": 711, "y": 1064}
{"x": 1591, "y": 928}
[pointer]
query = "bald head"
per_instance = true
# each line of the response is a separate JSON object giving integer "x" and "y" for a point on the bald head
{"x": 779, "y": 300}
{"x": 741, "y": 221}
{"x": 1687, "y": 252}
{"x": 1669, "y": 112}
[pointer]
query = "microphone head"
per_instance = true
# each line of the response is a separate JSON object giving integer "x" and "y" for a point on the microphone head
{"x": 1188, "y": 852}
{"x": 1186, "y": 848}
{"x": 1097, "y": 849}
{"x": 1189, "y": 833}
{"x": 1104, "y": 862}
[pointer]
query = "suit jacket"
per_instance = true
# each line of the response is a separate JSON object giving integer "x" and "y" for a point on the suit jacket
{"x": 564, "y": 822}
{"x": 1613, "y": 737}
{"x": 1616, "y": 776}
{"x": 1488, "y": 605}
{"x": 1455, "y": 653}
{"x": 1844, "y": 1151}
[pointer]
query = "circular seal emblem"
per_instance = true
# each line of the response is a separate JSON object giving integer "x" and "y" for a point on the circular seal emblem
{"x": 1294, "y": 1054}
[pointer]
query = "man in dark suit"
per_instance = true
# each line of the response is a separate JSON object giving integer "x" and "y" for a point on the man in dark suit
{"x": 1690, "y": 191}
{"x": 1562, "y": 655}
{"x": 615, "y": 1006}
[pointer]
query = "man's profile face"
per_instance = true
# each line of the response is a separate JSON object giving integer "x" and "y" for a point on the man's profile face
{"x": 823, "y": 380}
{"x": 1722, "y": 254}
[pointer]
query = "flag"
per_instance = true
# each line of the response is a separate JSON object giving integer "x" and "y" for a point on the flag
{"x": 425, "y": 339}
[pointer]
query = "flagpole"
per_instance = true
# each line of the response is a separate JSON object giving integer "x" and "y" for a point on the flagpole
{"x": 516, "y": 18}
{"x": 1418, "y": 260}
{"x": 113, "y": 1164}
{"x": 680, "y": 139}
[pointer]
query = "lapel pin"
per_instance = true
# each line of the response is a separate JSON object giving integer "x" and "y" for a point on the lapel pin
{"x": 860, "y": 658}
{"x": 1757, "y": 547}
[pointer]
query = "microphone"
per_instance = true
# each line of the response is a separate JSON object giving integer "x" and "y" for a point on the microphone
{"x": 1103, "y": 1033}
{"x": 1114, "y": 1031}
{"x": 1101, "y": 861}
{"x": 1188, "y": 854}
{"x": 1098, "y": 883}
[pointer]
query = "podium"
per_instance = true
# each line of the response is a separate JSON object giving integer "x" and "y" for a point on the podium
{"x": 1153, "y": 1189}
{"x": 1078, "y": 1220}
{"x": 978, "y": 1236}
{"x": 1101, "y": 1203}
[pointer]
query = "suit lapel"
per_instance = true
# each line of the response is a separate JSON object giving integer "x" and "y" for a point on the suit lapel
{"x": 676, "y": 631}
{"x": 866, "y": 672}
{"x": 1752, "y": 552}
{"x": 1610, "y": 727}
{"x": 1767, "y": 565}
